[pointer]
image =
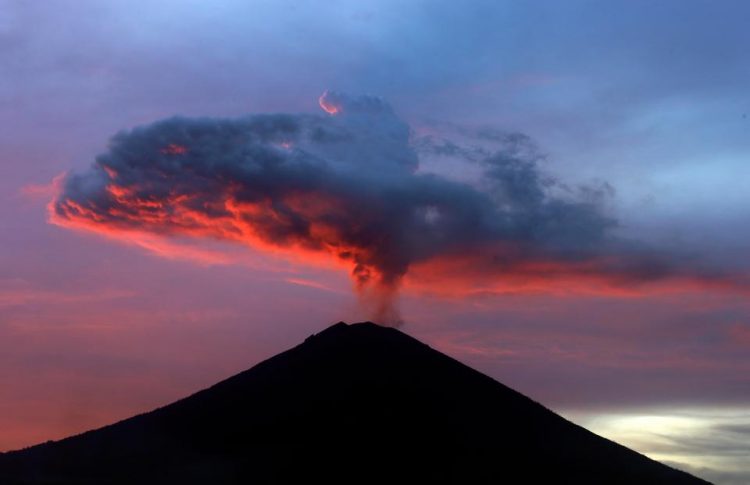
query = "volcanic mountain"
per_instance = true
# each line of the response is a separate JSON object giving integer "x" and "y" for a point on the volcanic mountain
{"x": 352, "y": 404}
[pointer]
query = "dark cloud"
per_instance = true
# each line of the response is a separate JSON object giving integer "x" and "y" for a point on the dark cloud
{"x": 346, "y": 185}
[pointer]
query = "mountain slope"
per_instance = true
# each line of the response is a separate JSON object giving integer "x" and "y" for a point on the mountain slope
{"x": 353, "y": 404}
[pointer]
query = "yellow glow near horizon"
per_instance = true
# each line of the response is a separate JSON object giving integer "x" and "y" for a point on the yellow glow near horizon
{"x": 712, "y": 443}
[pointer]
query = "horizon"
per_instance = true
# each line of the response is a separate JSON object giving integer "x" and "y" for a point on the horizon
{"x": 555, "y": 195}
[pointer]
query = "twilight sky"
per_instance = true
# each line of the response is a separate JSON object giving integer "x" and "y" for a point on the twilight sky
{"x": 638, "y": 111}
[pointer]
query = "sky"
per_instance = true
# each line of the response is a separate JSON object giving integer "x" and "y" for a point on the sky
{"x": 555, "y": 193}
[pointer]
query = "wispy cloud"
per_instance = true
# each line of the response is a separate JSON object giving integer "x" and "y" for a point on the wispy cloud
{"x": 714, "y": 443}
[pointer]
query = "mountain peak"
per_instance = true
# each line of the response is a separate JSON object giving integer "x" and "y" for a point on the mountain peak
{"x": 390, "y": 408}
{"x": 343, "y": 326}
{"x": 367, "y": 334}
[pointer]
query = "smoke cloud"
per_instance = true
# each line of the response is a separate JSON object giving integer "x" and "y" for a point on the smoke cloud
{"x": 347, "y": 185}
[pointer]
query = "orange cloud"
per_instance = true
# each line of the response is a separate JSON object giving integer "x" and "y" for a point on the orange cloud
{"x": 348, "y": 195}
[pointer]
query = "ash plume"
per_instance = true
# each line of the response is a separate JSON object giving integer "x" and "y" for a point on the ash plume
{"x": 345, "y": 184}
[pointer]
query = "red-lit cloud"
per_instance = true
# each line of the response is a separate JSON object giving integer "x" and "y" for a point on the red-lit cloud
{"x": 345, "y": 190}
{"x": 43, "y": 191}
{"x": 474, "y": 275}
{"x": 328, "y": 104}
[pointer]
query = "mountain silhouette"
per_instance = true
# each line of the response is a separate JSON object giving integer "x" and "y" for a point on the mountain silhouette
{"x": 353, "y": 404}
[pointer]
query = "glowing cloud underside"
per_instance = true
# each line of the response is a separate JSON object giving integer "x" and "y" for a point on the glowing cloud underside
{"x": 346, "y": 188}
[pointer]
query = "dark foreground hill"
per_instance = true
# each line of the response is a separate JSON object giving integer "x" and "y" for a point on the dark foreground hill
{"x": 353, "y": 404}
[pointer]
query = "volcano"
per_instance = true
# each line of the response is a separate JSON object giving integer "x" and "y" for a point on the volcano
{"x": 353, "y": 404}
